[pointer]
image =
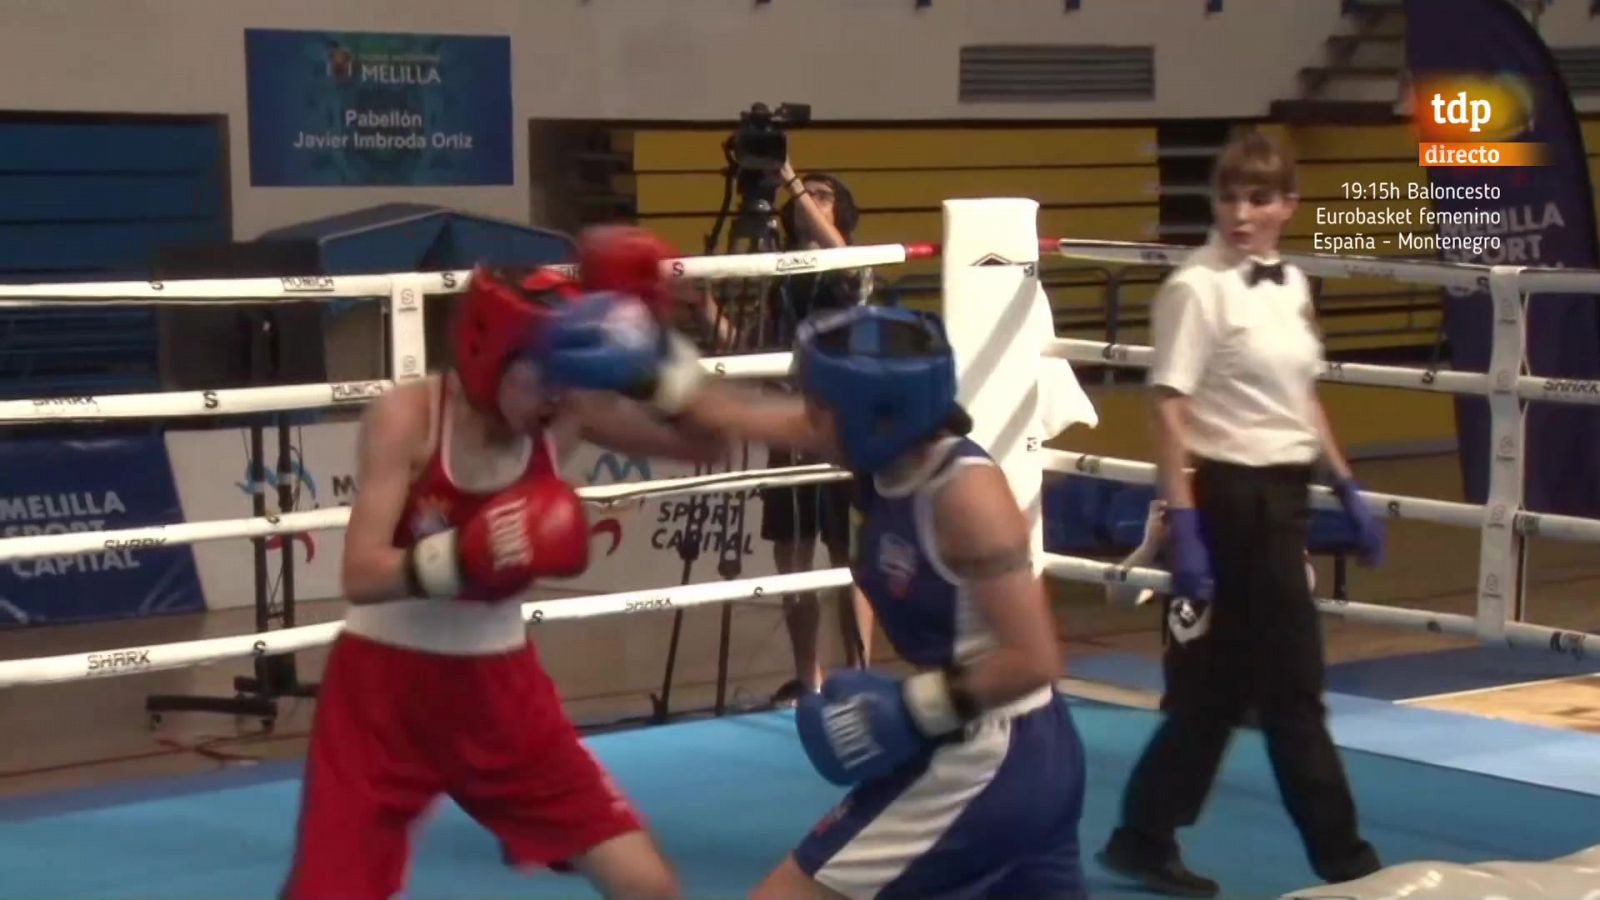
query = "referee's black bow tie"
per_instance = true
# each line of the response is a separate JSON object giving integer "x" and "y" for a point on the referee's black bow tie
{"x": 1270, "y": 272}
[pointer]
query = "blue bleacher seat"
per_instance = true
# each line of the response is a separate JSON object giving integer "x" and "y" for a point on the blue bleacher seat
{"x": 1073, "y": 512}
{"x": 1329, "y": 532}
{"x": 1126, "y": 514}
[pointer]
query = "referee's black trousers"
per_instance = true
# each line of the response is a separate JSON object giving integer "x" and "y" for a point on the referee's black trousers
{"x": 1261, "y": 648}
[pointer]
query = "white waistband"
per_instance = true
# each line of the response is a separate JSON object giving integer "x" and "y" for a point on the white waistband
{"x": 449, "y": 627}
{"x": 1027, "y": 703}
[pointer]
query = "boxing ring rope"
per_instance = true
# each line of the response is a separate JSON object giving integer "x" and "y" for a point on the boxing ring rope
{"x": 406, "y": 292}
{"x": 182, "y": 533}
{"x": 138, "y": 660}
{"x": 1503, "y": 525}
{"x": 1527, "y": 387}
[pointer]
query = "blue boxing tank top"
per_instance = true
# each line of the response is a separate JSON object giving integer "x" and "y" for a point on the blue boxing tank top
{"x": 923, "y": 609}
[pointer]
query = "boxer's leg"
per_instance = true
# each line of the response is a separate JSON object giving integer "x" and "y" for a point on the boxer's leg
{"x": 364, "y": 784}
{"x": 525, "y": 776}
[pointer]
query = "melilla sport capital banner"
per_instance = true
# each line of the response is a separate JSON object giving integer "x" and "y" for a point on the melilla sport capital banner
{"x": 360, "y": 108}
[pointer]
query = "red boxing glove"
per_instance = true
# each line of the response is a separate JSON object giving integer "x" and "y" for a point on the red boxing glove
{"x": 628, "y": 260}
{"x": 533, "y": 528}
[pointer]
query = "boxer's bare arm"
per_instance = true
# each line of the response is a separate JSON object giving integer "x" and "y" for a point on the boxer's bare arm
{"x": 749, "y": 414}
{"x": 617, "y": 423}
{"x": 983, "y": 539}
{"x": 392, "y": 431}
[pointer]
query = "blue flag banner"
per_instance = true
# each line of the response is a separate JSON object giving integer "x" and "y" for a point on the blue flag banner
{"x": 350, "y": 108}
{"x": 1482, "y": 75}
{"x": 59, "y": 487}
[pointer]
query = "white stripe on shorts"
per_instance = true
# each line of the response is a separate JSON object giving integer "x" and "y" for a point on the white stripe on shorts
{"x": 915, "y": 821}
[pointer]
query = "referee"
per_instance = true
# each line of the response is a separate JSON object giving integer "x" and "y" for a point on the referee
{"x": 1237, "y": 354}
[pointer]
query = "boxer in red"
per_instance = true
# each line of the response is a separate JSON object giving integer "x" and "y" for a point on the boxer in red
{"x": 434, "y": 688}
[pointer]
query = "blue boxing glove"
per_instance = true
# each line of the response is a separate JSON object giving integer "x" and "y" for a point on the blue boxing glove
{"x": 865, "y": 724}
{"x": 612, "y": 342}
{"x": 1186, "y": 556}
{"x": 1369, "y": 528}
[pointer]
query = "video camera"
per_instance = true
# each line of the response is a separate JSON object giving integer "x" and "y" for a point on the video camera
{"x": 756, "y": 152}
{"x": 759, "y": 143}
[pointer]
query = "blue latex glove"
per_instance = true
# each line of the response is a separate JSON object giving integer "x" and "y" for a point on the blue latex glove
{"x": 612, "y": 342}
{"x": 1186, "y": 556}
{"x": 1369, "y": 528}
{"x": 858, "y": 727}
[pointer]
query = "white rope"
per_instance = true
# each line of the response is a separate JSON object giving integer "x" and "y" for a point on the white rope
{"x": 767, "y": 265}
{"x": 284, "y": 398}
{"x": 138, "y": 660}
{"x": 1452, "y": 274}
{"x": 1408, "y": 377}
{"x": 1395, "y": 506}
{"x": 750, "y": 365}
{"x": 340, "y": 287}
{"x": 1528, "y": 387}
{"x": 175, "y": 404}
{"x": 1517, "y": 635}
{"x": 153, "y": 536}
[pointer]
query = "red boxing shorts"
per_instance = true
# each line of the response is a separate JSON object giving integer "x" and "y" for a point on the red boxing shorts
{"x": 397, "y": 728}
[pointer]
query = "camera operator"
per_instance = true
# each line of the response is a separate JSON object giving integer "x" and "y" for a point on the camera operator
{"x": 820, "y": 214}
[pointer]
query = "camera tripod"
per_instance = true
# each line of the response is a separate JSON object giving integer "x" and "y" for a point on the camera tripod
{"x": 754, "y": 229}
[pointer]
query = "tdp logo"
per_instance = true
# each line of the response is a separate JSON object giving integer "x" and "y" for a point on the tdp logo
{"x": 1460, "y": 110}
{"x": 1473, "y": 108}
{"x": 1475, "y": 120}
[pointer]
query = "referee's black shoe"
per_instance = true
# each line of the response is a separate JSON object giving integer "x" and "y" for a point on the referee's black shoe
{"x": 1164, "y": 873}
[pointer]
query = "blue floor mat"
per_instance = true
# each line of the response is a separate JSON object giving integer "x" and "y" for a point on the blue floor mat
{"x": 727, "y": 799}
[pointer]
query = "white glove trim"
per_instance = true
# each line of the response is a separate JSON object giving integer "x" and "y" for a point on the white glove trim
{"x": 679, "y": 376}
{"x": 435, "y": 566}
{"x": 927, "y": 697}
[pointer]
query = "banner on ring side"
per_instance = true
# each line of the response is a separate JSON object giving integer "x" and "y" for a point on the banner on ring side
{"x": 352, "y": 108}
{"x": 1486, "y": 51}
{"x": 634, "y": 545}
{"x": 60, "y": 486}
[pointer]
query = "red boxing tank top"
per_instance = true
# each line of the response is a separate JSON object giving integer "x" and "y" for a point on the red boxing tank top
{"x": 436, "y": 503}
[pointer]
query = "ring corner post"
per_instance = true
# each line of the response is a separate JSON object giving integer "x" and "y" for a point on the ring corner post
{"x": 1502, "y": 551}
{"x": 990, "y": 277}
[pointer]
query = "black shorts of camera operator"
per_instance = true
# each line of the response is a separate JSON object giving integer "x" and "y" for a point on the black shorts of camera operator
{"x": 820, "y": 213}
{"x": 1236, "y": 356}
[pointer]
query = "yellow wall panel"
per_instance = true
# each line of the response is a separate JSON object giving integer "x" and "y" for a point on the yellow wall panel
{"x": 1591, "y": 135}
{"x": 680, "y": 192}
{"x": 1410, "y": 417}
{"x": 700, "y": 149}
{"x": 1345, "y": 287}
{"x": 1417, "y": 303}
{"x": 1335, "y": 325}
{"x": 1344, "y": 142}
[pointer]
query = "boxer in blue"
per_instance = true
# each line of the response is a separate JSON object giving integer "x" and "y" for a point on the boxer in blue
{"x": 966, "y": 777}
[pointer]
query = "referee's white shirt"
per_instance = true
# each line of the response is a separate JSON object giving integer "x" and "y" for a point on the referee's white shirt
{"x": 1246, "y": 357}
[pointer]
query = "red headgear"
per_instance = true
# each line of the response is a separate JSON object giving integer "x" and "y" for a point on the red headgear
{"x": 627, "y": 260}
{"x": 499, "y": 317}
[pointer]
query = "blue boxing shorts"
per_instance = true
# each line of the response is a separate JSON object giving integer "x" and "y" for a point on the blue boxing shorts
{"x": 993, "y": 812}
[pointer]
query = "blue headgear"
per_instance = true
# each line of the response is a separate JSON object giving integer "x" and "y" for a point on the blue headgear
{"x": 887, "y": 374}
